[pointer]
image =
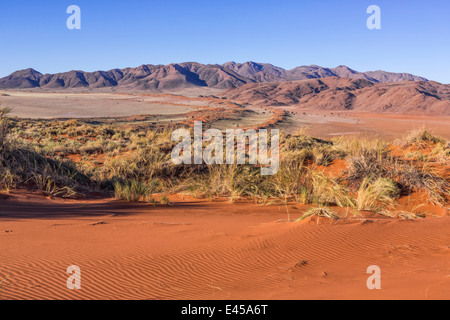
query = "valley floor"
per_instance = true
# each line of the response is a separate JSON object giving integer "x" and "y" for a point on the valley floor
{"x": 329, "y": 124}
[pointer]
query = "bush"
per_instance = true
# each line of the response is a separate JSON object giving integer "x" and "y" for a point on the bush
{"x": 419, "y": 138}
{"x": 132, "y": 191}
{"x": 319, "y": 212}
{"x": 376, "y": 196}
{"x": 4, "y": 130}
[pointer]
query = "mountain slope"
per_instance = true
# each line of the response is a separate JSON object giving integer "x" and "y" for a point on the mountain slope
{"x": 264, "y": 72}
{"x": 333, "y": 93}
{"x": 28, "y": 78}
{"x": 145, "y": 77}
{"x": 188, "y": 75}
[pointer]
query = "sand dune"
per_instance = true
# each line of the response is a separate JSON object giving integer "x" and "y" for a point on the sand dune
{"x": 202, "y": 250}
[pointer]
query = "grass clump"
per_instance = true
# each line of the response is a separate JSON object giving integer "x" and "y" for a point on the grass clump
{"x": 133, "y": 161}
{"x": 4, "y": 129}
{"x": 319, "y": 212}
{"x": 21, "y": 165}
{"x": 369, "y": 163}
{"x": 426, "y": 178}
{"x": 317, "y": 151}
{"x": 132, "y": 191}
{"x": 377, "y": 195}
{"x": 420, "y": 138}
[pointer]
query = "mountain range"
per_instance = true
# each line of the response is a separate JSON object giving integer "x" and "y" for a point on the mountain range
{"x": 177, "y": 76}
{"x": 340, "y": 94}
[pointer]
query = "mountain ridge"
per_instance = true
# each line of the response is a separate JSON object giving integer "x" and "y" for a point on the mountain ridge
{"x": 341, "y": 94}
{"x": 175, "y": 76}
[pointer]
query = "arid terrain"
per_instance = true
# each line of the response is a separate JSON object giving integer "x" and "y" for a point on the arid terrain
{"x": 157, "y": 108}
{"x": 188, "y": 75}
{"x": 342, "y": 94}
{"x": 196, "y": 249}
{"x": 86, "y": 179}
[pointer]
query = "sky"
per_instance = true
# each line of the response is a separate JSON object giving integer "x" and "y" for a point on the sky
{"x": 414, "y": 35}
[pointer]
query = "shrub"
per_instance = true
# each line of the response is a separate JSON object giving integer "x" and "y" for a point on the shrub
{"x": 133, "y": 191}
{"x": 376, "y": 196}
{"x": 419, "y": 138}
{"x": 319, "y": 212}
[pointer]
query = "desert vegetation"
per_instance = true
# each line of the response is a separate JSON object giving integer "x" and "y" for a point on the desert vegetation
{"x": 73, "y": 158}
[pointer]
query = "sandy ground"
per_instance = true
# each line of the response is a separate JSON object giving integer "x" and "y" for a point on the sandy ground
{"x": 202, "y": 250}
{"x": 168, "y": 107}
{"x": 78, "y": 105}
{"x": 213, "y": 250}
{"x": 338, "y": 123}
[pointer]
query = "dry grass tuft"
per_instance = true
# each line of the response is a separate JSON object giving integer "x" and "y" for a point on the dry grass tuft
{"x": 419, "y": 138}
{"x": 376, "y": 196}
{"x": 133, "y": 191}
{"x": 319, "y": 212}
{"x": 132, "y": 162}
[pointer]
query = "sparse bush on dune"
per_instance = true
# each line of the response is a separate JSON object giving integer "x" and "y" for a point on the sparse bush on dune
{"x": 419, "y": 138}
{"x": 164, "y": 200}
{"x": 18, "y": 165}
{"x": 359, "y": 146}
{"x": 4, "y": 128}
{"x": 138, "y": 191}
{"x": 49, "y": 185}
{"x": 327, "y": 190}
{"x": 367, "y": 164}
{"x": 291, "y": 179}
{"x": 8, "y": 180}
{"x": 370, "y": 165}
{"x": 442, "y": 152}
{"x": 376, "y": 196}
{"x": 319, "y": 151}
{"x": 367, "y": 159}
{"x": 132, "y": 191}
{"x": 324, "y": 212}
{"x": 233, "y": 181}
{"x": 53, "y": 177}
{"x": 426, "y": 178}
{"x": 134, "y": 162}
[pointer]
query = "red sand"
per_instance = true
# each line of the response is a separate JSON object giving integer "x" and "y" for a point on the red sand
{"x": 384, "y": 125}
{"x": 201, "y": 250}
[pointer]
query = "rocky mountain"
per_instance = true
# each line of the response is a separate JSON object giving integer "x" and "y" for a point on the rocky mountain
{"x": 334, "y": 93}
{"x": 188, "y": 75}
{"x": 145, "y": 77}
{"x": 264, "y": 72}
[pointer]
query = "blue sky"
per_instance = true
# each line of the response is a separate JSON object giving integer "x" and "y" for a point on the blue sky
{"x": 414, "y": 35}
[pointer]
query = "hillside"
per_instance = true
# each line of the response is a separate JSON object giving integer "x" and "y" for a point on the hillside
{"x": 417, "y": 97}
{"x": 177, "y": 76}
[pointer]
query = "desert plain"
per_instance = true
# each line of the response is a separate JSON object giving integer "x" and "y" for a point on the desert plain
{"x": 206, "y": 233}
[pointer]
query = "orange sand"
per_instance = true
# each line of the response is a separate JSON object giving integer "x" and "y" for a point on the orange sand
{"x": 213, "y": 250}
{"x": 387, "y": 126}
